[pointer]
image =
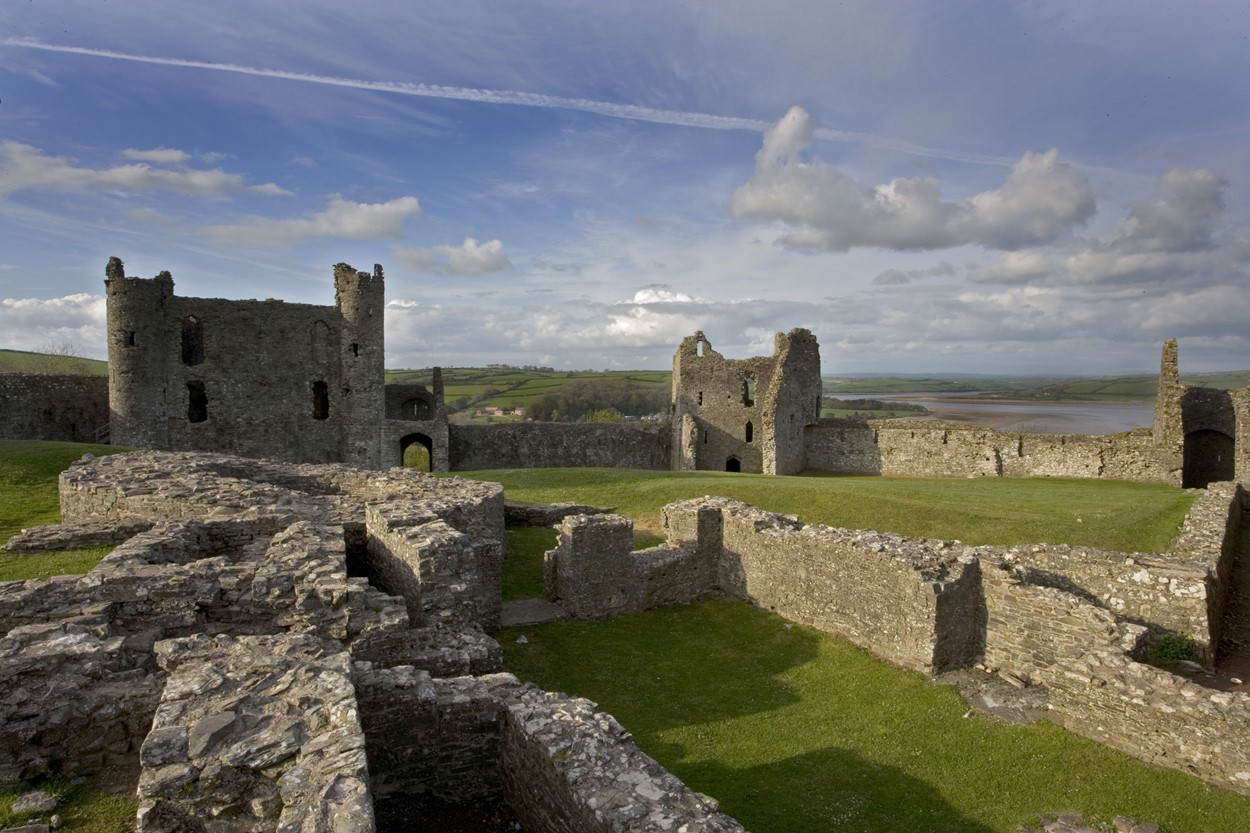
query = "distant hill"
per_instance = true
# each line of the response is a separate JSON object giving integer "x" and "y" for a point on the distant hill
{"x": 20, "y": 361}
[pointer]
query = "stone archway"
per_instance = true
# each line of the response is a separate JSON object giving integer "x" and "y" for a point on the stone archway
{"x": 415, "y": 459}
{"x": 733, "y": 464}
{"x": 1210, "y": 457}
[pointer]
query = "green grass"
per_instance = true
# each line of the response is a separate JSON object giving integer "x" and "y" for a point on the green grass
{"x": 795, "y": 731}
{"x": 19, "y": 361}
{"x": 523, "y": 564}
{"x": 1124, "y": 517}
{"x": 82, "y": 809}
{"x": 28, "y": 497}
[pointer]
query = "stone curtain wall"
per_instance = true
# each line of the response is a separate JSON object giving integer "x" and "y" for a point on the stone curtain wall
{"x": 53, "y": 407}
{"x": 908, "y": 448}
{"x": 910, "y": 601}
{"x": 531, "y": 445}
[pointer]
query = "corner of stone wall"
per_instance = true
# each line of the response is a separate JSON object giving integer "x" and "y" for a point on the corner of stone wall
{"x": 593, "y": 574}
{"x": 569, "y": 767}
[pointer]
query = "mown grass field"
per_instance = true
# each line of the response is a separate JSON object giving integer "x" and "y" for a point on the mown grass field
{"x": 1107, "y": 514}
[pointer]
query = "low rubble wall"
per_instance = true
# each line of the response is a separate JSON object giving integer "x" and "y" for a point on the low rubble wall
{"x": 593, "y": 574}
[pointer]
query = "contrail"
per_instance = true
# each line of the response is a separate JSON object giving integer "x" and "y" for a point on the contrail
{"x": 632, "y": 112}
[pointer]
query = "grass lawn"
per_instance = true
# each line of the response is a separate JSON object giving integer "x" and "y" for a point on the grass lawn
{"x": 28, "y": 497}
{"x": 795, "y": 731}
{"x": 1112, "y": 515}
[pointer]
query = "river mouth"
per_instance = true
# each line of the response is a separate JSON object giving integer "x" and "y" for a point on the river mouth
{"x": 1028, "y": 416}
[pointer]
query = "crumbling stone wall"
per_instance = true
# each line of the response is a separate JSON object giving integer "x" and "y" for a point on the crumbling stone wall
{"x": 530, "y": 445}
{"x": 593, "y": 574}
{"x": 430, "y": 736}
{"x": 744, "y": 414}
{"x": 184, "y": 374}
{"x": 918, "y": 448}
{"x": 36, "y": 406}
{"x": 571, "y": 769}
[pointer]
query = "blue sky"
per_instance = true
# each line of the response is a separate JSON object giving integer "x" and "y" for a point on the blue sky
{"x": 986, "y": 187}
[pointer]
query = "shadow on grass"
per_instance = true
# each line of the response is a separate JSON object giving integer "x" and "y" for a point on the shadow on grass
{"x": 651, "y": 670}
{"x": 817, "y": 792}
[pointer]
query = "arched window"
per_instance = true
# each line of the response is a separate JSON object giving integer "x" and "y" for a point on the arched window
{"x": 750, "y": 432}
{"x": 748, "y": 391}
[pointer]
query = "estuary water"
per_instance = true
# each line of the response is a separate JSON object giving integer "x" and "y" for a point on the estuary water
{"x": 1028, "y": 416}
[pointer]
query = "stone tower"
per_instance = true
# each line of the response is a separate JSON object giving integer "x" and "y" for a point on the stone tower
{"x": 361, "y": 302}
{"x": 745, "y": 414}
{"x": 136, "y": 356}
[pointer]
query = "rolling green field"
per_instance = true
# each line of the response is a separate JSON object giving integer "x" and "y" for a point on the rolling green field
{"x": 18, "y": 361}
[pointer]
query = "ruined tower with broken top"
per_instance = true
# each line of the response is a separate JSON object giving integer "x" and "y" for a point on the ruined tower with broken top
{"x": 745, "y": 414}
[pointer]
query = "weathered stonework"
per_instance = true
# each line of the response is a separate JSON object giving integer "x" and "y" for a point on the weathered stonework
{"x": 528, "y": 445}
{"x": 236, "y": 656}
{"x": 183, "y": 372}
{"x": 744, "y": 414}
{"x": 36, "y": 406}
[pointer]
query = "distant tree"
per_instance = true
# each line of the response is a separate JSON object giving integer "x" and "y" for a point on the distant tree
{"x": 604, "y": 415}
{"x": 51, "y": 357}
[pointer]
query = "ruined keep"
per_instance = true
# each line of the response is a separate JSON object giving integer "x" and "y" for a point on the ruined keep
{"x": 293, "y": 382}
{"x": 745, "y": 415}
{"x": 1210, "y": 427}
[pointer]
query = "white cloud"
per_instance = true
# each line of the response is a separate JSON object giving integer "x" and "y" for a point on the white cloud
{"x": 158, "y": 156}
{"x": 23, "y": 167}
{"x": 27, "y": 323}
{"x": 659, "y": 295}
{"x": 1169, "y": 238}
{"x": 1014, "y": 268}
{"x": 827, "y": 210}
{"x": 341, "y": 218}
{"x": 469, "y": 258}
{"x": 7, "y": 267}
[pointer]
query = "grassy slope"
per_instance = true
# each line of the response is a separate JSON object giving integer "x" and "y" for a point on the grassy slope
{"x": 1107, "y": 514}
{"x": 28, "y": 472}
{"x": 797, "y": 732}
{"x": 1136, "y": 388}
{"x": 19, "y": 361}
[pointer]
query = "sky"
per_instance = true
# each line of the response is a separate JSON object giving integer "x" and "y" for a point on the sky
{"x": 960, "y": 187}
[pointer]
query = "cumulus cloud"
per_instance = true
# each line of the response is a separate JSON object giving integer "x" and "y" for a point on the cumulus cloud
{"x": 340, "y": 218}
{"x": 24, "y": 167}
{"x": 469, "y": 258}
{"x": 1014, "y": 268}
{"x": 826, "y": 210}
{"x": 26, "y": 323}
{"x": 659, "y": 295}
{"x": 1169, "y": 237}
